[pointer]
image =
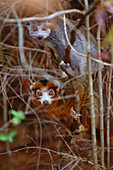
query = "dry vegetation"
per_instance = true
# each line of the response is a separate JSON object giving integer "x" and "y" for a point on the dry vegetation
{"x": 23, "y": 60}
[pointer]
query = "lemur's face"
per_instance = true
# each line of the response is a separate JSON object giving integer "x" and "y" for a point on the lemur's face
{"x": 40, "y": 31}
{"x": 44, "y": 92}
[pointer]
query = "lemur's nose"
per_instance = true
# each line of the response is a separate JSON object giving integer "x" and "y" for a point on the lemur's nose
{"x": 40, "y": 37}
{"x": 45, "y": 103}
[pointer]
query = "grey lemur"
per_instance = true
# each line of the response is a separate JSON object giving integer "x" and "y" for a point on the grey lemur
{"x": 53, "y": 35}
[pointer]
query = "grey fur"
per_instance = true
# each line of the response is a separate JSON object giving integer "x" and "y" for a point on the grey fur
{"x": 56, "y": 40}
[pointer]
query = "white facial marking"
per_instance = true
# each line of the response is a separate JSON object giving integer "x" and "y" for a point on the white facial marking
{"x": 40, "y": 31}
{"x": 45, "y": 95}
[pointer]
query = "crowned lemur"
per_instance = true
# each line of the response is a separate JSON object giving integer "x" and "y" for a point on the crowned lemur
{"x": 53, "y": 35}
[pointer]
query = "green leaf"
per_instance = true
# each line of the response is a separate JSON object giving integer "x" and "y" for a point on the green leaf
{"x": 11, "y": 135}
{"x": 21, "y": 115}
{"x": 13, "y": 112}
{"x": 18, "y": 114}
{"x": 3, "y": 137}
{"x": 16, "y": 121}
{"x": 8, "y": 137}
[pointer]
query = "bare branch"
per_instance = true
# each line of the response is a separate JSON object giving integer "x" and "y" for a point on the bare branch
{"x": 100, "y": 97}
{"x": 21, "y": 41}
{"x": 56, "y": 14}
{"x": 88, "y": 11}
{"x": 108, "y": 111}
{"x": 93, "y": 128}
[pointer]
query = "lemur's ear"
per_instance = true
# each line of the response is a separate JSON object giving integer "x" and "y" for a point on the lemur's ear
{"x": 57, "y": 83}
{"x": 32, "y": 86}
{"x": 52, "y": 26}
{"x": 28, "y": 23}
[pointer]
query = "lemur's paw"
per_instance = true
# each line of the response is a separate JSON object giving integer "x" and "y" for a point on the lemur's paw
{"x": 81, "y": 129}
{"x": 74, "y": 114}
{"x": 64, "y": 64}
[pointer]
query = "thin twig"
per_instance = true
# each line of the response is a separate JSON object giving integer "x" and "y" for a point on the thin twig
{"x": 68, "y": 164}
{"x": 93, "y": 129}
{"x": 108, "y": 112}
{"x": 101, "y": 62}
{"x": 100, "y": 97}
{"x": 53, "y": 151}
{"x": 56, "y": 14}
{"x": 91, "y": 8}
{"x": 25, "y": 48}
{"x": 6, "y": 119}
{"x": 69, "y": 43}
{"x": 21, "y": 41}
{"x": 51, "y": 159}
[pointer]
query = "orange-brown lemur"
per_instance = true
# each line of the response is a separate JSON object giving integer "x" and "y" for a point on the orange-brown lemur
{"x": 67, "y": 102}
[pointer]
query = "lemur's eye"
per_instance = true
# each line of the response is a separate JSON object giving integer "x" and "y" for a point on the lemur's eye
{"x": 35, "y": 29}
{"x": 38, "y": 93}
{"x": 44, "y": 28}
{"x": 51, "y": 92}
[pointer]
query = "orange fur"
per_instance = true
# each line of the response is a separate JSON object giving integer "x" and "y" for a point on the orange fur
{"x": 39, "y": 85}
{"x": 52, "y": 26}
{"x": 69, "y": 110}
